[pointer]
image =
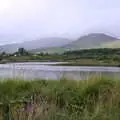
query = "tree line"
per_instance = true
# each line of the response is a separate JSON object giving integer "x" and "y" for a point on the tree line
{"x": 97, "y": 54}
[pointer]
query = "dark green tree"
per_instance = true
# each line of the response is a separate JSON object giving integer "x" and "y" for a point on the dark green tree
{"x": 22, "y": 51}
{"x": 3, "y": 53}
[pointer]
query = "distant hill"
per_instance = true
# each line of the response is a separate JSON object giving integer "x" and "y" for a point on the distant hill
{"x": 36, "y": 44}
{"x": 93, "y": 40}
{"x": 90, "y": 41}
{"x": 59, "y": 45}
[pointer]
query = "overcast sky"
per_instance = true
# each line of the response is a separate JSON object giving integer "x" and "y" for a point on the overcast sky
{"x": 22, "y": 20}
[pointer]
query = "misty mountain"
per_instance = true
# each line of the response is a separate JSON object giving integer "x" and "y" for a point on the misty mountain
{"x": 90, "y": 41}
{"x": 35, "y": 44}
{"x": 59, "y": 45}
{"x": 93, "y": 40}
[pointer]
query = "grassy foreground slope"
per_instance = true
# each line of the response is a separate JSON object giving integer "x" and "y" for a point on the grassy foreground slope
{"x": 93, "y": 99}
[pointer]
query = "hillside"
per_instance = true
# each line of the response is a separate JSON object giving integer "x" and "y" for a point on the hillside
{"x": 90, "y": 41}
{"x": 49, "y": 50}
{"x": 36, "y": 44}
{"x": 59, "y": 45}
{"x": 94, "y": 40}
{"x": 112, "y": 44}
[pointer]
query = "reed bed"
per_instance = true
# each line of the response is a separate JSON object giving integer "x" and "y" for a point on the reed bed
{"x": 97, "y": 98}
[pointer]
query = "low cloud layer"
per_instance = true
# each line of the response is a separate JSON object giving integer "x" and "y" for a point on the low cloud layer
{"x": 22, "y": 20}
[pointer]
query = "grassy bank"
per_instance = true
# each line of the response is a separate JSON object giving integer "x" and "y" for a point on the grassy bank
{"x": 94, "y": 99}
{"x": 90, "y": 62}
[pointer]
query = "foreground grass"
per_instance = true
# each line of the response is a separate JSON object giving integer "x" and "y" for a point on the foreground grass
{"x": 94, "y": 99}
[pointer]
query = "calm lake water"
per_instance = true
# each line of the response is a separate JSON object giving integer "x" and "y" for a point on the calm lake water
{"x": 45, "y": 70}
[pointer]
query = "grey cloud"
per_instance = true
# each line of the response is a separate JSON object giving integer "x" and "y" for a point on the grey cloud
{"x": 31, "y": 19}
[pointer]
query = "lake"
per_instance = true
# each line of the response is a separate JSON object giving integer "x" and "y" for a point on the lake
{"x": 45, "y": 70}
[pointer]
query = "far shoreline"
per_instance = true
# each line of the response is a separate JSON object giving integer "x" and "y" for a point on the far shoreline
{"x": 65, "y": 63}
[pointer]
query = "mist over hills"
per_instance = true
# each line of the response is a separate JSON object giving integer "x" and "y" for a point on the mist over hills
{"x": 36, "y": 44}
{"x": 92, "y": 40}
{"x": 59, "y": 45}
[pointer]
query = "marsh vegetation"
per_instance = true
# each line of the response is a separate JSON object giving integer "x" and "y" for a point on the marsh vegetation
{"x": 93, "y": 99}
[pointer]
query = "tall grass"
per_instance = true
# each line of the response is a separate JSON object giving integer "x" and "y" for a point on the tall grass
{"x": 93, "y": 99}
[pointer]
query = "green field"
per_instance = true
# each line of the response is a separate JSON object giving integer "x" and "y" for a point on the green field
{"x": 113, "y": 44}
{"x": 50, "y": 50}
{"x": 95, "y": 99}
